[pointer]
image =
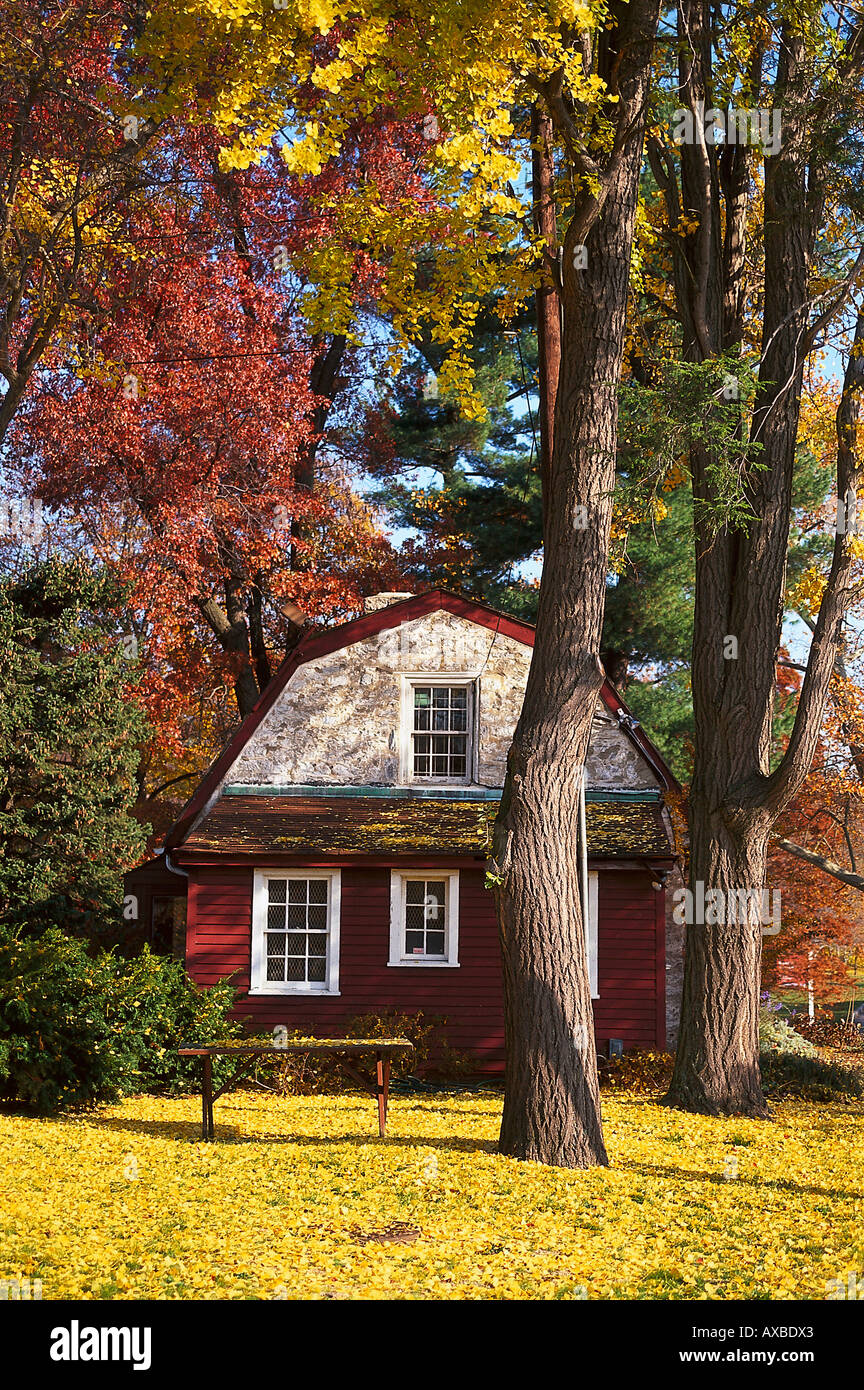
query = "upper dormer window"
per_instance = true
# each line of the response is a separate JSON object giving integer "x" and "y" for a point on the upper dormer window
{"x": 440, "y": 733}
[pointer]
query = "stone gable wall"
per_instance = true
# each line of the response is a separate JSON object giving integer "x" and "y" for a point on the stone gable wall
{"x": 338, "y": 720}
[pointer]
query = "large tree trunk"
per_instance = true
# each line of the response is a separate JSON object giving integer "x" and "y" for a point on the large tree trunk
{"x": 735, "y": 798}
{"x": 717, "y": 1059}
{"x": 735, "y": 801}
{"x": 739, "y": 600}
{"x": 552, "y": 1106}
{"x": 547, "y": 302}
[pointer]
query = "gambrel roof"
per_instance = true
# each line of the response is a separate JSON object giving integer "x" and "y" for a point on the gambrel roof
{"x": 321, "y": 642}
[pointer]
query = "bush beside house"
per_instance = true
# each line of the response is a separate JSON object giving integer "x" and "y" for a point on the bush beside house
{"x": 790, "y": 1065}
{"x": 71, "y": 739}
{"x": 77, "y": 1028}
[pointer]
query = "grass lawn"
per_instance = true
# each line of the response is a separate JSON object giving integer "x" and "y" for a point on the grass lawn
{"x": 126, "y": 1203}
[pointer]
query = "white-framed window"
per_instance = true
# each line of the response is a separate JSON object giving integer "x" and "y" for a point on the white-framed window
{"x": 295, "y": 932}
{"x": 424, "y": 918}
{"x": 438, "y": 744}
{"x": 591, "y": 934}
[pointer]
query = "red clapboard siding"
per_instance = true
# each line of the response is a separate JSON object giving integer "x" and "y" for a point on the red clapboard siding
{"x": 631, "y": 948}
{"x": 631, "y": 965}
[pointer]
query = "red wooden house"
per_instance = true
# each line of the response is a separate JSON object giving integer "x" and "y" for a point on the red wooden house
{"x": 334, "y": 857}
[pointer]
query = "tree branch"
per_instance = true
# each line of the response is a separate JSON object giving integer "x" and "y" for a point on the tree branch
{"x": 787, "y": 778}
{"x": 828, "y": 866}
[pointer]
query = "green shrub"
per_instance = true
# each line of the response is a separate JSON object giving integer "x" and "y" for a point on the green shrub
{"x": 97, "y": 924}
{"x": 775, "y": 1035}
{"x": 56, "y": 1047}
{"x": 787, "y": 1074}
{"x": 77, "y": 1028}
{"x": 152, "y": 1007}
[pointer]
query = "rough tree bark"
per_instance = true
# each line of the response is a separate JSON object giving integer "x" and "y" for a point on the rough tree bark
{"x": 740, "y": 573}
{"x": 548, "y": 304}
{"x": 551, "y": 1106}
{"x": 717, "y": 1058}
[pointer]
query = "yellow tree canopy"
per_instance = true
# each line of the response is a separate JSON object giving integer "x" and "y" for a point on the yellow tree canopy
{"x": 305, "y": 72}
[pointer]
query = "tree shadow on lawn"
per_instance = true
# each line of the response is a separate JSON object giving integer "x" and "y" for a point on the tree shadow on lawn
{"x": 718, "y": 1179}
{"x": 189, "y": 1131}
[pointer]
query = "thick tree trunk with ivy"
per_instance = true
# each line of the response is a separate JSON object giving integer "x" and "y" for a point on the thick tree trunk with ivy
{"x": 551, "y": 1107}
{"x": 741, "y": 566}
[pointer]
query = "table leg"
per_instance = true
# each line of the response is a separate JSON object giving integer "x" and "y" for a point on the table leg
{"x": 207, "y": 1100}
{"x": 382, "y": 1067}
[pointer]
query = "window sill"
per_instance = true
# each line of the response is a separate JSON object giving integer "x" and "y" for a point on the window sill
{"x": 423, "y": 964}
{"x": 296, "y": 993}
{"x": 464, "y": 783}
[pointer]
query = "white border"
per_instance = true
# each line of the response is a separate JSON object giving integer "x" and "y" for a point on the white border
{"x": 398, "y": 879}
{"x": 469, "y": 679}
{"x": 258, "y": 982}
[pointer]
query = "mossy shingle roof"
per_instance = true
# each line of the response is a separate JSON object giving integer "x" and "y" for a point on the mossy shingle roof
{"x": 278, "y": 825}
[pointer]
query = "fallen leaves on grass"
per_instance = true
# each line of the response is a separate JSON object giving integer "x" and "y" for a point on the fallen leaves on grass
{"x": 128, "y": 1203}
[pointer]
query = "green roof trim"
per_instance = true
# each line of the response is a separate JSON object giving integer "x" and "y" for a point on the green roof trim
{"x": 631, "y": 794}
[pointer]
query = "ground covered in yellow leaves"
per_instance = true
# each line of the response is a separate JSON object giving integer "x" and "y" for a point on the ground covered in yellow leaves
{"x": 296, "y": 1198}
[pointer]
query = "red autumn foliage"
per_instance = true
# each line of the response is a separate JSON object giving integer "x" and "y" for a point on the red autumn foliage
{"x": 821, "y": 944}
{"x": 185, "y": 433}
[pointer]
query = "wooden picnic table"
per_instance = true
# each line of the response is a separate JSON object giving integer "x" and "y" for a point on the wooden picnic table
{"x": 340, "y": 1049}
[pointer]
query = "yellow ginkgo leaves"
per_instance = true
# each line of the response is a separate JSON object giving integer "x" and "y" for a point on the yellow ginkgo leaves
{"x": 289, "y": 1202}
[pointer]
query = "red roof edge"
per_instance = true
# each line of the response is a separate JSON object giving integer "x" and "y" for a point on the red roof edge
{"x": 217, "y": 770}
{"x": 634, "y": 731}
{"x": 322, "y": 642}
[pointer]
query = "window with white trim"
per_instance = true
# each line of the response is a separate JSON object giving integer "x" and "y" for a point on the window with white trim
{"x": 424, "y": 918}
{"x": 441, "y": 733}
{"x": 295, "y": 933}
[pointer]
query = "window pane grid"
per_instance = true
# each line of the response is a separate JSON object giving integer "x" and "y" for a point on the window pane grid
{"x": 425, "y": 918}
{"x": 297, "y": 930}
{"x": 440, "y": 731}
